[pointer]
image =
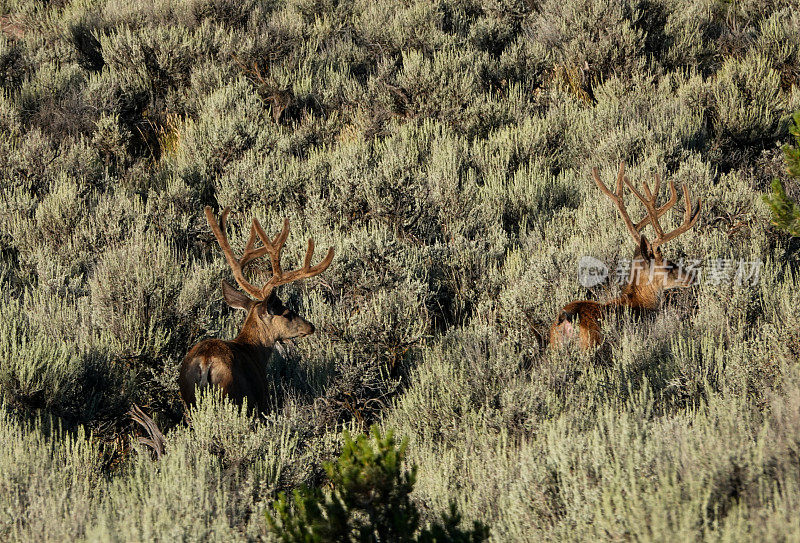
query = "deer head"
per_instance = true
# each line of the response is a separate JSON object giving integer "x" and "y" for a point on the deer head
{"x": 268, "y": 320}
{"x": 651, "y": 273}
{"x": 239, "y": 367}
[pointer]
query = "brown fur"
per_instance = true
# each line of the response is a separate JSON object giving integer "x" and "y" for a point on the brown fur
{"x": 582, "y": 320}
{"x": 239, "y": 367}
{"x": 578, "y": 320}
{"x": 651, "y": 274}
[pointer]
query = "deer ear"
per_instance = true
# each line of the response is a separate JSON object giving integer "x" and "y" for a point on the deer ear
{"x": 271, "y": 305}
{"x": 644, "y": 250}
{"x": 234, "y": 298}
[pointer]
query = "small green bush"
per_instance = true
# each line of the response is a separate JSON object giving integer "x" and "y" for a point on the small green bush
{"x": 370, "y": 501}
{"x": 785, "y": 212}
{"x": 444, "y": 149}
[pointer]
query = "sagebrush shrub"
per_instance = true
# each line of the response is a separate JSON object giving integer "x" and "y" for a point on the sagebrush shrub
{"x": 444, "y": 150}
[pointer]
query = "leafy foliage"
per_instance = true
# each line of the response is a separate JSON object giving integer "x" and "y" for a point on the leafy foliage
{"x": 786, "y": 213}
{"x": 444, "y": 149}
{"x": 369, "y": 501}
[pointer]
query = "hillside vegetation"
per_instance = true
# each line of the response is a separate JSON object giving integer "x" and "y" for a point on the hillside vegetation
{"x": 444, "y": 149}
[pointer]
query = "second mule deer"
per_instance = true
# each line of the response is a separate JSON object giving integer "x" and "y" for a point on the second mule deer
{"x": 239, "y": 366}
{"x": 650, "y": 275}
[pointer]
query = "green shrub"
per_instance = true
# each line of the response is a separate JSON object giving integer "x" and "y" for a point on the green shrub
{"x": 34, "y": 370}
{"x": 370, "y": 501}
{"x": 785, "y": 213}
{"x": 444, "y": 149}
{"x": 597, "y": 38}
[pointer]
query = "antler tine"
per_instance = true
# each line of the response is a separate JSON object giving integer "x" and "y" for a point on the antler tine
{"x": 648, "y": 201}
{"x": 223, "y": 217}
{"x": 309, "y": 254}
{"x": 689, "y": 219}
{"x": 276, "y": 246}
{"x": 279, "y": 242}
{"x": 620, "y": 177}
{"x": 249, "y": 252}
{"x": 235, "y": 264}
{"x": 646, "y": 189}
{"x": 280, "y": 239}
{"x": 308, "y": 270}
{"x": 617, "y": 198}
{"x": 663, "y": 209}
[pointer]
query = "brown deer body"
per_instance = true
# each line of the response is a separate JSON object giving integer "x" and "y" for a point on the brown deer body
{"x": 651, "y": 274}
{"x": 239, "y": 366}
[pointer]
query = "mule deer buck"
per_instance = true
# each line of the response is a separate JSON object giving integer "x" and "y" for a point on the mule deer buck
{"x": 650, "y": 273}
{"x": 239, "y": 366}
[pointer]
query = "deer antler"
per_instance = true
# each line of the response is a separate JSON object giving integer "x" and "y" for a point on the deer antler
{"x": 272, "y": 247}
{"x": 156, "y": 440}
{"x": 617, "y": 198}
{"x": 275, "y": 247}
{"x": 649, "y": 202}
{"x": 236, "y": 265}
{"x": 653, "y": 213}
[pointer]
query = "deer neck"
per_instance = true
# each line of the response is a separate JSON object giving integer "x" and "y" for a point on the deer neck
{"x": 636, "y": 296}
{"x": 254, "y": 332}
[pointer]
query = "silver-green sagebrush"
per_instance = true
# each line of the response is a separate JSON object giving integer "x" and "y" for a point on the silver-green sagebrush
{"x": 444, "y": 150}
